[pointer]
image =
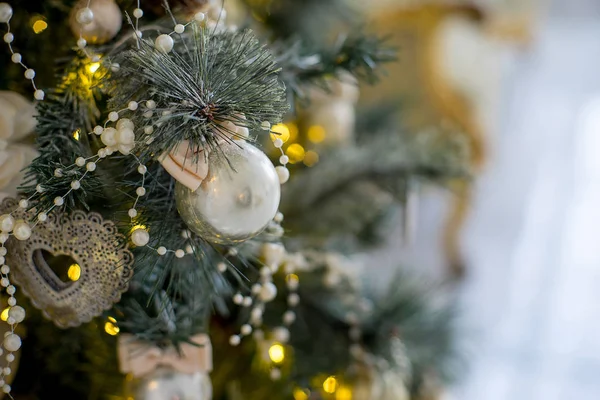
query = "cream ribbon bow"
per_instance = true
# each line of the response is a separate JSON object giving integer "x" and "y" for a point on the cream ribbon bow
{"x": 188, "y": 163}
{"x": 139, "y": 358}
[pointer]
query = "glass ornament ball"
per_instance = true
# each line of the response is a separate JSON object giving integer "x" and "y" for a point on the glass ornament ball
{"x": 237, "y": 199}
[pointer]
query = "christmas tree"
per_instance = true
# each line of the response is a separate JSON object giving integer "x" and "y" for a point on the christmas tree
{"x": 153, "y": 242}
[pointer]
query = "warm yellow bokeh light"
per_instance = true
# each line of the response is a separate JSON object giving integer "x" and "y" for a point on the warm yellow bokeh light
{"x": 292, "y": 277}
{"x": 330, "y": 385}
{"x": 316, "y": 134}
{"x": 111, "y": 319}
{"x": 39, "y": 26}
{"x": 92, "y": 67}
{"x": 343, "y": 393}
{"x": 295, "y": 152}
{"x": 280, "y": 131}
{"x": 293, "y": 128}
{"x": 277, "y": 353}
{"x": 311, "y": 158}
{"x": 301, "y": 394}
{"x": 76, "y": 134}
{"x": 4, "y": 315}
{"x": 74, "y": 272}
{"x": 111, "y": 328}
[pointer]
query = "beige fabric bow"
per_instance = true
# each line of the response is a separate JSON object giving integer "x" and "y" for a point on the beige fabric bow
{"x": 138, "y": 357}
{"x": 189, "y": 164}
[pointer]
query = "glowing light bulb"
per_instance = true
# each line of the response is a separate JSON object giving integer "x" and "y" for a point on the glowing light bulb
{"x": 343, "y": 393}
{"x": 277, "y": 353}
{"x": 111, "y": 328}
{"x": 4, "y": 315}
{"x": 281, "y": 131}
{"x": 39, "y": 26}
{"x": 330, "y": 385}
{"x": 74, "y": 272}
{"x": 295, "y": 152}
{"x": 301, "y": 394}
{"x": 93, "y": 67}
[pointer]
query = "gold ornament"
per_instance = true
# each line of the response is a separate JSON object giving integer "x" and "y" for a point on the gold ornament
{"x": 95, "y": 254}
{"x": 105, "y": 25}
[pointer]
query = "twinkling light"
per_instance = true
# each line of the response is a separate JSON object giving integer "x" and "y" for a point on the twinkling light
{"x": 111, "y": 328}
{"x": 92, "y": 67}
{"x": 280, "y": 131}
{"x": 277, "y": 353}
{"x": 343, "y": 393}
{"x": 39, "y": 26}
{"x": 4, "y": 315}
{"x": 74, "y": 272}
{"x": 76, "y": 134}
{"x": 316, "y": 134}
{"x": 295, "y": 152}
{"x": 311, "y": 158}
{"x": 301, "y": 394}
{"x": 330, "y": 385}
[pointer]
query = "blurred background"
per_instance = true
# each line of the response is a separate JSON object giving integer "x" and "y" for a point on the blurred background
{"x": 528, "y": 73}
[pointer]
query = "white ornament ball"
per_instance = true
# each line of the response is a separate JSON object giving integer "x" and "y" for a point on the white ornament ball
{"x": 6, "y": 12}
{"x": 140, "y": 237}
{"x": 106, "y": 20}
{"x": 238, "y": 198}
{"x": 17, "y": 313}
{"x": 22, "y": 230}
{"x": 12, "y": 342}
{"x": 268, "y": 292}
{"x": 164, "y": 43}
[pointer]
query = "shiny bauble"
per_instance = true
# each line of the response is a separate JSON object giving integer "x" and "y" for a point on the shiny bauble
{"x": 106, "y": 22}
{"x": 237, "y": 199}
{"x": 167, "y": 384}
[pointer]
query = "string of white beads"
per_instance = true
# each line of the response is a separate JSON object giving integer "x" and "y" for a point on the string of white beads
{"x": 16, "y": 314}
{"x": 6, "y": 13}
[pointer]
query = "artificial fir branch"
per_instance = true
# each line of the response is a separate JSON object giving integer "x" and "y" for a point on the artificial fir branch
{"x": 359, "y": 55}
{"x": 208, "y": 79}
{"x": 64, "y": 119}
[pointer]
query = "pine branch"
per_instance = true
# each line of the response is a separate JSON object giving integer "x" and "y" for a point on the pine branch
{"x": 208, "y": 79}
{"x": 358, "y": 54}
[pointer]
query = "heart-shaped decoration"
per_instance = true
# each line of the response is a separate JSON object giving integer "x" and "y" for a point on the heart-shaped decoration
{"x": 103, "y": 263}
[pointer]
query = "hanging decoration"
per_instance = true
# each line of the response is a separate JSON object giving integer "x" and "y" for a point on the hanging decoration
{"x": 96, "y": 21}
{"x": 165, "y": 373}
{"x": 93, "y": 247}
{"x": 238, "y": 198}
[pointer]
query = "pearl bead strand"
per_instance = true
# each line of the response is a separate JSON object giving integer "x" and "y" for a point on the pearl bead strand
{"x": 6, "y": 13}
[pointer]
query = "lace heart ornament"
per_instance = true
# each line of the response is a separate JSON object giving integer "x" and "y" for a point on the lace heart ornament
{"x": 94, "y": 247}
